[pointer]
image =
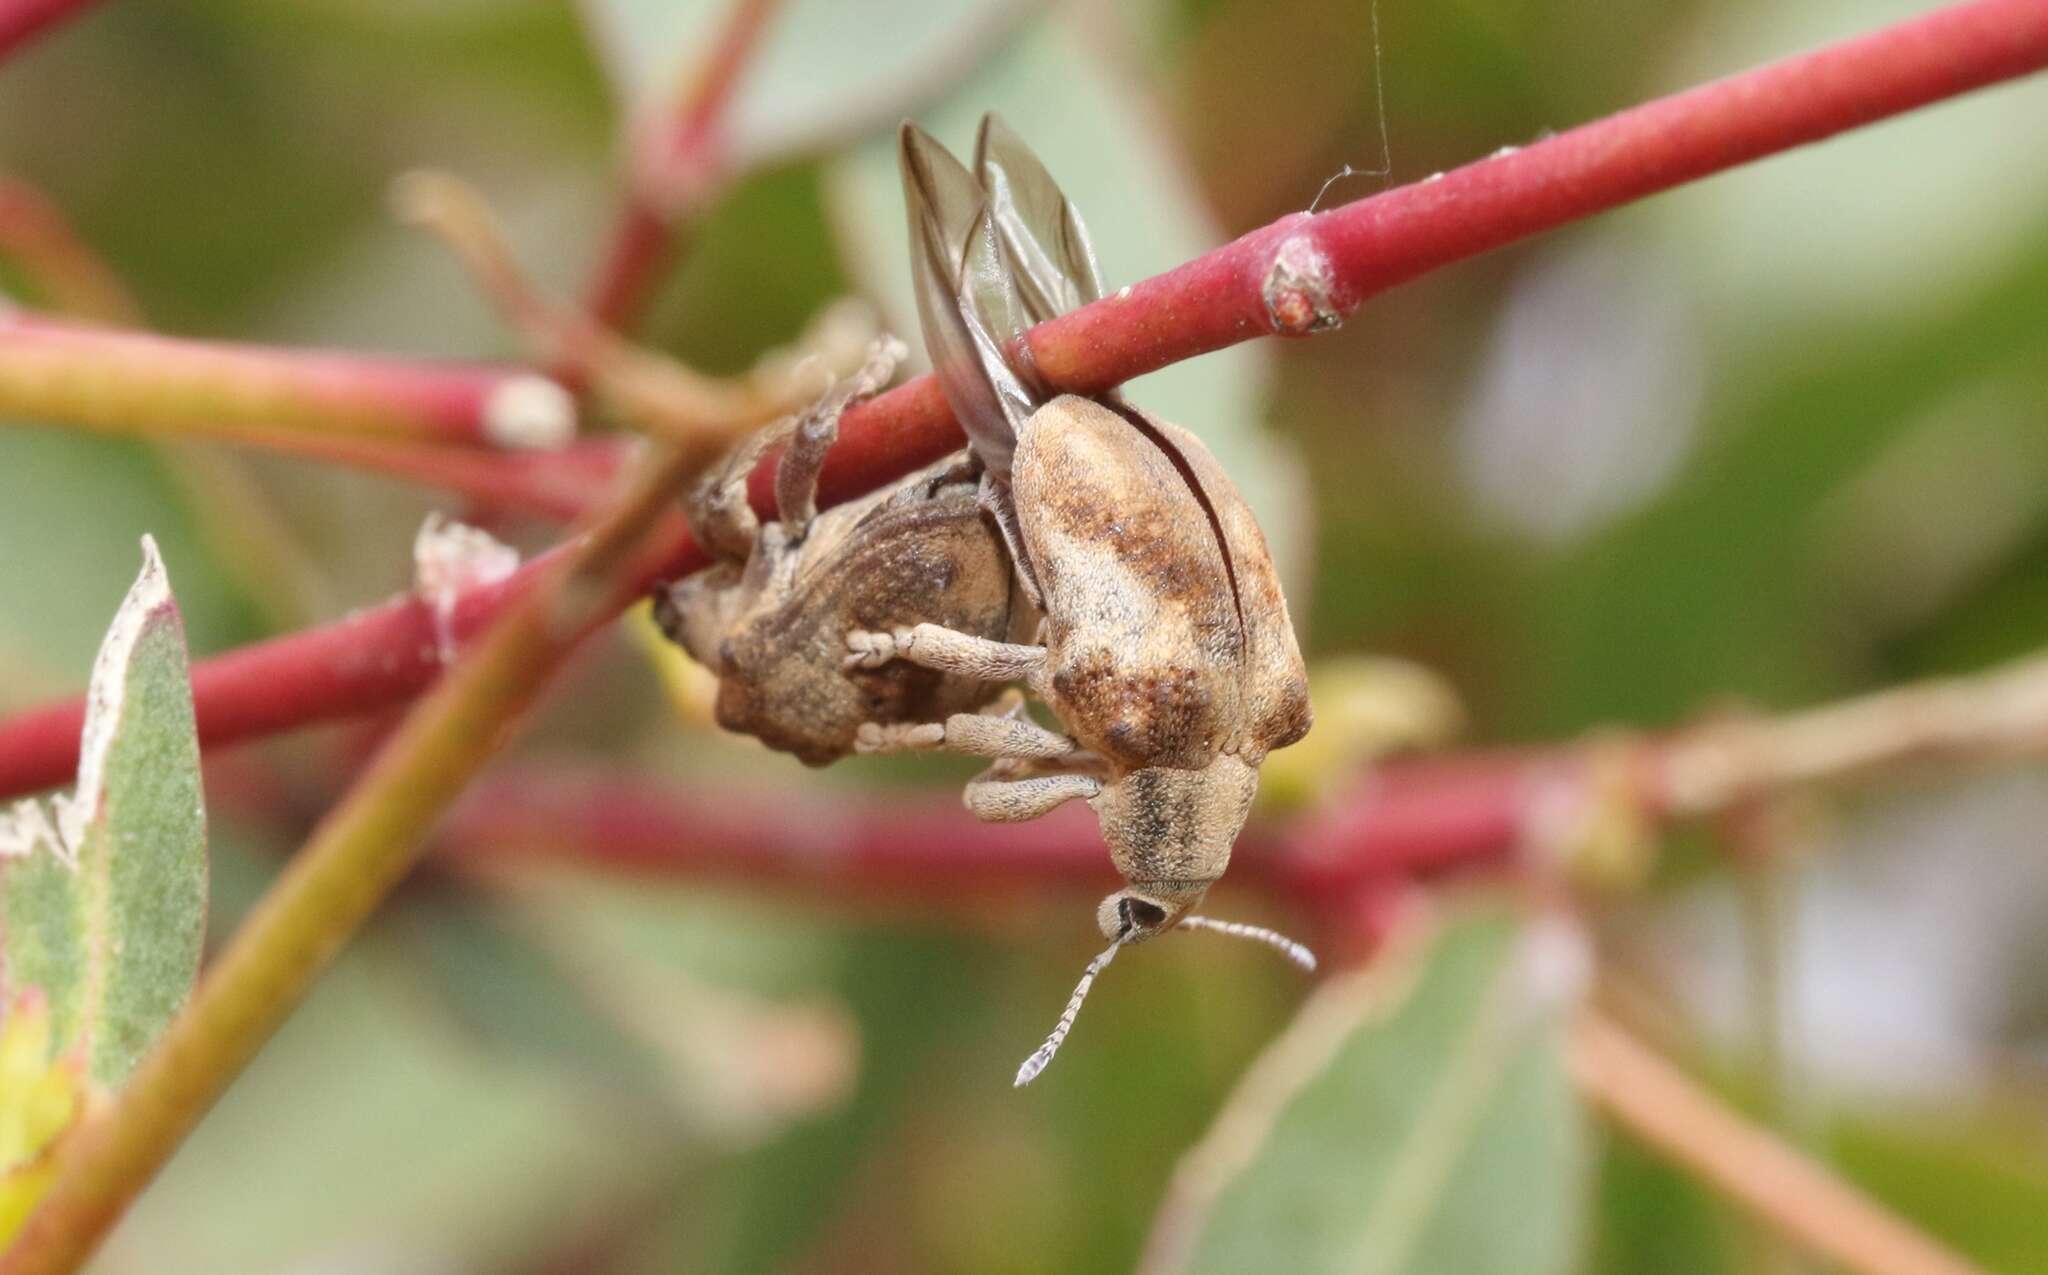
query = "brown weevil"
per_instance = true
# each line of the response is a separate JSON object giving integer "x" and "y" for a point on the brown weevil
{"x": 771, "y": 615}
{"x": 1166, "y": 649}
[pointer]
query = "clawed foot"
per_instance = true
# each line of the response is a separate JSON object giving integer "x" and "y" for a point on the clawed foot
{"x": 873, "y": 648}
{"x": 898, "y": 737}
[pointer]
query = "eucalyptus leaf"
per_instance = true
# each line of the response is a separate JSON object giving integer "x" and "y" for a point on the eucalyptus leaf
{"x": 1416, "y": 1119}
{"x": 103, "y": 892}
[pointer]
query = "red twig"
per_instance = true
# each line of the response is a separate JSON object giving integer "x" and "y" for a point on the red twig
{"x": 1332, "y": 261}
{"x": 22, "y": 20}
{"x": 1421, "y": 818}
{"x": 68, "y": 274}
{"x": 1590, "y": 808}
{"x": 1306, "y": 272}
{"x": 139, "y": 382}
{"x": 676, "y": 169}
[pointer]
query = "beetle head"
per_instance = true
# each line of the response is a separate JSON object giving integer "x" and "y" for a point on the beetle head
{"x": 1135, "y": 914}
{"x": 1169, "y": 832}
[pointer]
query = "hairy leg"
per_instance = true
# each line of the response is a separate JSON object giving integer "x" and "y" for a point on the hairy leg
{"x": 796, "y": 477}
{"x": 1011, "y": 801}
{"x": 946, "y": 650}
{"x": 976, "y": 734}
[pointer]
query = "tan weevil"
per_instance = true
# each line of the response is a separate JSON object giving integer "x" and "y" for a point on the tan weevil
{"x": 770, "y": 617}
{"x": 1166, "y": 650}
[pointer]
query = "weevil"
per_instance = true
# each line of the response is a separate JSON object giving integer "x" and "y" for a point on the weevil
{"x": 770, "y": 616}
{"x": 1166, "y": 649}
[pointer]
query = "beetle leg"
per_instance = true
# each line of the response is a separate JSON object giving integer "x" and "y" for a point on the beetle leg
{"x": 946, "y": 650}
{"x": 1010, "y": 801}
{"x": 796, "y": 477}
{"x": 995, "y": 501}
{"x": 976, "y": 734}
{"x": 899, "y": 737}
{"x": 717, "y": 507}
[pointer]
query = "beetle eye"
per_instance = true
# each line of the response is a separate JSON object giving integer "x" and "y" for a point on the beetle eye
{"x": 1137, "y": 914}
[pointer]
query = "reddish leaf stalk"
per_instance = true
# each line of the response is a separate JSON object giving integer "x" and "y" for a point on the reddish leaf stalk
{"x": 1332, "y": 262}
{"x": 142, "y": 383}
{"x": 1416, "y": 820}
{"x": 676, "y": 170}
{"x": 1665, "y": 1109}
{"x": 1420, "y": 818}
{"x": 1591, "y": 808}
{"x": 68, "y": 274}
{"x": 23, "y": 20}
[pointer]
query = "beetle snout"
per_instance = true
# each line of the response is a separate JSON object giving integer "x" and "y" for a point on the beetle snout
{"x": 1170, "y": 831}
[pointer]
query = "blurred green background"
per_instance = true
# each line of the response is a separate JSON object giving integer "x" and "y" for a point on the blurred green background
{"x": 1771, "y": 439}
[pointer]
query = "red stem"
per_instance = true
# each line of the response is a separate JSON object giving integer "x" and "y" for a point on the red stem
{"x": 1228, "y": 295}
{"x": 1412, "y": 819}
{"x": 1305, "y": 272}
{"x": 634, "y": 257}
{"x": 22, "y": 20}
{"x": 104, "y": 377}
{"x": 675, "y": 173}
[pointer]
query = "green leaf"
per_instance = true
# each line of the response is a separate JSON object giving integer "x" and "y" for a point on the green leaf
{"x": 103, "y": 893}
{"x": 1415, "y": 1119}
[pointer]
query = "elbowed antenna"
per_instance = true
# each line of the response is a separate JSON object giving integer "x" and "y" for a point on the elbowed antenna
{"x": 1042, "y": 1057}
{"x": 1274, "y": 939}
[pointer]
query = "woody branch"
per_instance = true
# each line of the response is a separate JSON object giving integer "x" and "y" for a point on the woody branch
{"x": 1298, "y": 274}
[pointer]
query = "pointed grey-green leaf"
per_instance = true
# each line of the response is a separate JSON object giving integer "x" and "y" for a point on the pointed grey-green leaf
{"x": 1415, "y": 1120}
{"x": 104, "y": 905}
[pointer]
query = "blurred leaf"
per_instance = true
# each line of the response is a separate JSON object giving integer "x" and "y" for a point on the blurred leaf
{"x": 52, "y": 610}
{"x": 1416, "y": 1118}
{"x": 103, "y": 894}
{"x": 513, "y": 1001}
{"x": 759, "y": 266}
{"x": 1588, "y": 399}
{"x": 1982, "y": 1184}
{"x": 536, "y": 983}
{"x": 1652, "y": 1217}
{"x": 908, "y": 994}
{"x": 820, "y": 63}
{"x": 531, "y": 49}
{"x": 1711, "y": 591}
